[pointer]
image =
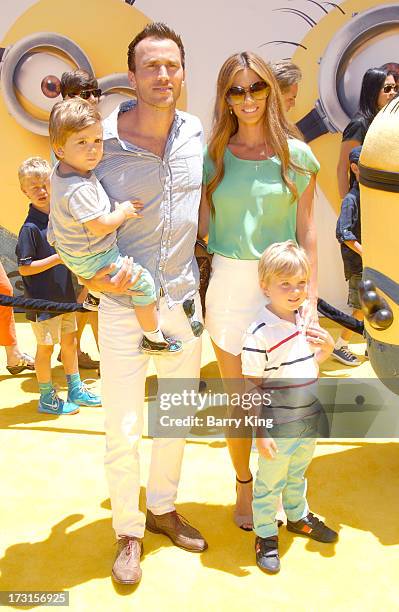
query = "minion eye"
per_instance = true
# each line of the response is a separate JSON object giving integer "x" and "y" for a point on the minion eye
{"x": 37, "y": 80}
{"x": 51, "y": 86}
{"x": 116, "y": 89}
{"x": 30, "y": 76}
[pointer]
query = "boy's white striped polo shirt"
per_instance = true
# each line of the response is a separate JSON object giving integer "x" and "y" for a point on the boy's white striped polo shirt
{"x": 277, "y": 349}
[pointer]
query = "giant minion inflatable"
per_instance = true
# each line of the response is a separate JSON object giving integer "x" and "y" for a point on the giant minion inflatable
{"x": 45, "y": 40}
{"x": 379, "y": 189}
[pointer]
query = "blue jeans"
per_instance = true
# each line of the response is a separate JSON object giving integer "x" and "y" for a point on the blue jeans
{"x": 284, "y": 474}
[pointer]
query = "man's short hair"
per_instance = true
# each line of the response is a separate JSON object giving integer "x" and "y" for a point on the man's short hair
{"x": 34, "y": 167}
{"x": 287, "y": 73}
{"x": 354, "y": 155}
{"x": 75, "y": 81}
{"x": 283, "y": 259}
{"x": 154, "y": 30}
{"x": 70, "y": 116}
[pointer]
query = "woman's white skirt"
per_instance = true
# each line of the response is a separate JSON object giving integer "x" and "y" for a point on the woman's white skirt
{"x": 233, "y": 301}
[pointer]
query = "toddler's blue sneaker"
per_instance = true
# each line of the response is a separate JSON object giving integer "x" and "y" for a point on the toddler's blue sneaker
{"x": 82, "y": 396}
{"x": 52, "y": 404}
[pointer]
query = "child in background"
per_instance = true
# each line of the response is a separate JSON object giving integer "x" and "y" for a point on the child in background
{"x": 80, "y": 83}
{"x": 276, "y": 354}
{"x": 44, "y": 277}
{"x": 82, "y": 228}
{"x": 349, "y": 236}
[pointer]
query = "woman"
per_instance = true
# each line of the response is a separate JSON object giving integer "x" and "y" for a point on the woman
{"x": 378, "y": 88}
{"x": 258, "y": 189}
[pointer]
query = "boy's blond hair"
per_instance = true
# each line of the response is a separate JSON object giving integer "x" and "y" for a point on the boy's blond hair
{"x": 68, "y": 117}
{"x": 33, "y": 167}
{"x": 283, "y": 259}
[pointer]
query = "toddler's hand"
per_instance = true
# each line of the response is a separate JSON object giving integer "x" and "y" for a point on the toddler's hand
{"x": 131, "y": 208}
{"x": 267, "y": 447}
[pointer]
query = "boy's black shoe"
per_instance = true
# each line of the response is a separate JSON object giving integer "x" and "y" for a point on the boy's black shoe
{"x": 91, "y": 302}
{"x": 314, "y": 528}
{"x": 159, "y": 348}
{"x": 267, "y": 558}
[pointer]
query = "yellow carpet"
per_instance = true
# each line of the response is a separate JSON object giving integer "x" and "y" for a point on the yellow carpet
{"x": 57, "y": 535}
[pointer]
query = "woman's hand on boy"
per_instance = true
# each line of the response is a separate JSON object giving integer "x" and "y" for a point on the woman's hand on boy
{"x": 309, "y": 312}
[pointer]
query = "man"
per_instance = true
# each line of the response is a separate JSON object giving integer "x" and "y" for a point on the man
{"x": 288, "y": 76}
{"x": 154, "y": 153}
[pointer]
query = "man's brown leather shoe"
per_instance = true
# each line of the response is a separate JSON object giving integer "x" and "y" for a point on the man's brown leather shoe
{"x": 178, "y": 529}
{"x": 126, "y": 568}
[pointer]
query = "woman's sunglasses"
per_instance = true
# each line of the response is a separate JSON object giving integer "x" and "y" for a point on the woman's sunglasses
{"x": 86, "y": 93}
{"x": 390, "y": 87}
{"x": 258, "y": 91}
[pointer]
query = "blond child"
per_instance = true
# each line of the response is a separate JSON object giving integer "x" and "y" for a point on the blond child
{"x": 279, "y": 356}
{"x": 44, "y": 277}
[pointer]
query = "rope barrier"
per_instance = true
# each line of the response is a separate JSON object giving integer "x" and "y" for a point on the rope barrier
{"x": 40, "y": 305}
{"x": 326, "y": 310}
{"x": 323, "y": 307}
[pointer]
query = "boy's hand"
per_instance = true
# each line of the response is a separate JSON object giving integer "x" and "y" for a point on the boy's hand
{"x": 131, "y": 208}
{"x": 121, "y": 283}
{"x": 267, "y": 447}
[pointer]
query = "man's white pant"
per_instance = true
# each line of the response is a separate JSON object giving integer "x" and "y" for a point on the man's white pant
{"x": 123, "y": 375}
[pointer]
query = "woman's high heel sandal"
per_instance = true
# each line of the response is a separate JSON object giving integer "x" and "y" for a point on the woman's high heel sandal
{"x": 244, "y": 521}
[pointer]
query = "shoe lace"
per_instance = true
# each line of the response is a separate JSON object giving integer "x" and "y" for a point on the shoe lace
{"x": 314, "y": 520}
{"x": 128, "y": 547}
{"x": 180, "y": 519}
{"x": 84, "y": 386}
{"x": 347, "y": 353}
{"x": 55, "y": 400}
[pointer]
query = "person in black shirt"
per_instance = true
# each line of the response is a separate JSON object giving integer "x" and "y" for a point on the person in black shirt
{"x": 378, "y": 88}
{"x": 44, "y": 277}
{"x": 349, "y": 236}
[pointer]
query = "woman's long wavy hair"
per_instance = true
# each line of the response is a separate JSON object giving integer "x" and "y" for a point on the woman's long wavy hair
{"x": 225, "y": 124}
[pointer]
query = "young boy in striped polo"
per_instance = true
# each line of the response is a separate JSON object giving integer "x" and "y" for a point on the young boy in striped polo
{"x": 280, "y": 357}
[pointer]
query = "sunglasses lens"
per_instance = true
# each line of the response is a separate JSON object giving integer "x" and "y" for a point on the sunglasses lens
{"x": 389, "y": 88}
{"x": 236, "y": 95}
{"x": 85, "y": 95}
{"x": 259, "y": 90}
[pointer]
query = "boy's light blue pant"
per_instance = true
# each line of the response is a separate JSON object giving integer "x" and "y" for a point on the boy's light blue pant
{"x": 284, "y": 474}
{"x": 86, "y": 267}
